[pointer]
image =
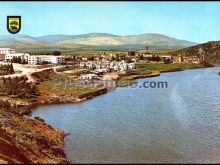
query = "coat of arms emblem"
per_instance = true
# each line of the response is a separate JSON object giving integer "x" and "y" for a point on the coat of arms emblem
{"x": 14, "y": 24}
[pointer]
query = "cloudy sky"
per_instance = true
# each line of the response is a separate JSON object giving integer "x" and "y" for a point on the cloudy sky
{"x": 193, "y": 21}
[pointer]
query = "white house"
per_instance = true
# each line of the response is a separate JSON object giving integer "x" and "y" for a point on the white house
{"x": 123, "y": 66}
{"x": 88, "y": 77}
{"x": 131, "y": 66}
{"x": 82, "y": 64}
{"x": 101, "y": 71}
{"x": 84, "y": 59}
{"x": 90, "y": 65}
{"x": 167, "y": 57}
{"x": 6, "y": 50}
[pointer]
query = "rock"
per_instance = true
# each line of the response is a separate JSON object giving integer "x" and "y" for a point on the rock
{"x": 25, "y": 140}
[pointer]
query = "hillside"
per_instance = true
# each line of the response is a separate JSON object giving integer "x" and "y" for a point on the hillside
{"x": 211, "y": 50}
{"x": 25, "y": 140}
{"x": 92, "y": 41}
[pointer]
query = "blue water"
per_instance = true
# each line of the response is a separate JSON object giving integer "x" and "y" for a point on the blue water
{"x": 178, "y": 124}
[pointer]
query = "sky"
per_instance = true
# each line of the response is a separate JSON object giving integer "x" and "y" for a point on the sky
{"x": 193, "y": 21}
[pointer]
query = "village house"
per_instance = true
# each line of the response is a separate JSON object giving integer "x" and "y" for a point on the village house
{"x": 82, "y": 65}
{"x": 87, "y": 64}
{"x": 146, "y": 53}
{"x": 84, "y": 59}
{"x": 131, "y": 66}
{"x": 88, "y": 77}
{"x": 122, "y": 66}
{"x": 95, "y": 64}
{"x": 101, "y": 71}
{"x": 177, "y": 59}
{"x": 192, "y": 59}
{"x": 116, "y": 67}
{"x": 166, "y": 57}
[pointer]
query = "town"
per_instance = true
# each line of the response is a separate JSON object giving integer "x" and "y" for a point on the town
{"x": 63, "y": 77}
{"x": 97, "y": 65}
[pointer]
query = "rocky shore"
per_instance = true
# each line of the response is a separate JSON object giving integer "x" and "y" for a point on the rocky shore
{"x": 25, "y": 140}
{"x": 63, "y": 99}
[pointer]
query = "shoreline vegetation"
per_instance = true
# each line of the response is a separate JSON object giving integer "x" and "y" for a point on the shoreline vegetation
{"x": 45, "y": 142}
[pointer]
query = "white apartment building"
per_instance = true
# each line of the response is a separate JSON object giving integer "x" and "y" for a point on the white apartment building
{"x": 23, "y": 56}
{"x": 34, "y": 60}
{"x": 6, "y": 50}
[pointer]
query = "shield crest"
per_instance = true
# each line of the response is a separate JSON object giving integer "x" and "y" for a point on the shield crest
{"x": 14, "y": 24}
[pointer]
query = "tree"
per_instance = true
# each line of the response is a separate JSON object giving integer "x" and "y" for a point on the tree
{"x": 16, "y": 59}
{"x": 117, "y": 57}
{"x": 11, "y": 70}
{"x": 141, "y": 57}
{"x": 14, "y": 23}
{"x": 56, "y": 53}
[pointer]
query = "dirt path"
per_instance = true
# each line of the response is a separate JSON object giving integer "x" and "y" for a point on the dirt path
{"x": 26, "y": 70}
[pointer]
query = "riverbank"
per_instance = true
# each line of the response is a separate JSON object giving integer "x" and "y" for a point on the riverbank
{"x": 63, "y": 99}
{"x": 63, "y": 95}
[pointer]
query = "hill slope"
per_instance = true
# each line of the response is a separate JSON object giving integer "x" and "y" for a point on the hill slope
{"x": 211, "y": 50}
{"x": 25, "y": 140}
{"x": 93, "y": 41}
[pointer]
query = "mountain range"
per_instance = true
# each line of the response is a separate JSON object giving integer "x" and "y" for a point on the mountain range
{"x": 93, "y": 41}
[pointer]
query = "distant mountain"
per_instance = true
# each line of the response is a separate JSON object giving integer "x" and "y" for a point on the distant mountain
{"x": 93, "y": 41}
{"x": 211, "y": 50}
{"x": 58, "y": 38}
{"x": 153, "y": 39}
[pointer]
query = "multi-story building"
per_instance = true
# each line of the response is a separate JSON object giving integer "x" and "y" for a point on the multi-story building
{"x": 31, "y": 59}
{"x": 40, "y": 59}
{"x": 23, "y": 56}
{"x": 6, "y": 50}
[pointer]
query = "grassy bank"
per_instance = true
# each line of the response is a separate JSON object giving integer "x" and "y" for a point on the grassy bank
{"x": 61, "y": 85}
{"x": 168, "y": 67}
{"x": 150, "y": 70}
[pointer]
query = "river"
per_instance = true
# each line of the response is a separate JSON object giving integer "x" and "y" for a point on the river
{"x": 178, "y": 124}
